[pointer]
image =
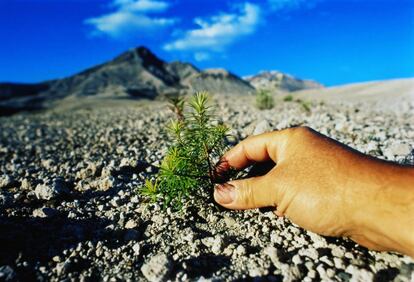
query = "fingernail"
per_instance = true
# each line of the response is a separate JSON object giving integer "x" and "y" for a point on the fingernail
{"x": 222, "y": 165}
{"x": 225, "y": 193}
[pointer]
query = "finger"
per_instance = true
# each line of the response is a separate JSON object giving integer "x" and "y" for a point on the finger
{"x": 250, "y": 193}
{"x": 259, "y": 148}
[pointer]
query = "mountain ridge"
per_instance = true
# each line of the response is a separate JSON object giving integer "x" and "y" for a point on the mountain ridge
{"x": 136, "y": 73}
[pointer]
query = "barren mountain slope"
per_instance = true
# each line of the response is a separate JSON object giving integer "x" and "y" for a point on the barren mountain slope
{"x": 384, "y": 94}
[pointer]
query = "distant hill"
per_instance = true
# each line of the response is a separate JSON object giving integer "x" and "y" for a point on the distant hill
{"x": 385, "y": 94}
{"x": 137, "y": 73}
{"x": 275, "y": 80}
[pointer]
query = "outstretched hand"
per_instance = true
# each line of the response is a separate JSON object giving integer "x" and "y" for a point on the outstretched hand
{"x": 325, "y": 187}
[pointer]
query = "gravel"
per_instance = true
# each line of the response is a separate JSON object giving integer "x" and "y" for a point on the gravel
{"x": 69, "y": 208}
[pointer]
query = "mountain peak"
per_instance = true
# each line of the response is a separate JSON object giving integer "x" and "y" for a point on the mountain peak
{"x": 272, "y": 79}
{"x": 138, "y": 54}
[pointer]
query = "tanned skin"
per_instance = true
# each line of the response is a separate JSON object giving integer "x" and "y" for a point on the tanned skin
{"x": 326, "y": 187}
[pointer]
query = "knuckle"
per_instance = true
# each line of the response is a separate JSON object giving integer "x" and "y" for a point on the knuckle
{"x": 246, "y": 195}
{"x": 300, "y": 132}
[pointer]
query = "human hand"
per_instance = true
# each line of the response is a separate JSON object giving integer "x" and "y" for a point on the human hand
{"x": 325, "y": 187}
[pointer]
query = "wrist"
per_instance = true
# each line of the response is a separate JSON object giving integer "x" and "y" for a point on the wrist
{"x": 385, "y": 216}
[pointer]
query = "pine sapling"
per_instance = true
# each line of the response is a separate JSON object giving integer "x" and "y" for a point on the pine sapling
{"x": 198, "y": 142}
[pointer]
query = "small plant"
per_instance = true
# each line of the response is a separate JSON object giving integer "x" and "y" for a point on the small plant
{"x": 288, "y": 98}
{"x": 264, "y": 100}
{"x": 198, "y": 142}
{"x": 177, "y": 106}
{"x": 305, "y": 105}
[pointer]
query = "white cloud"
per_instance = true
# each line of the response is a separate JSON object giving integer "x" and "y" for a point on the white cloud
{"x": 131, "y": 19}
{"x": 202, "y": 56}
{"x": 219, "y": 31}
{"x": 141, "y": 5}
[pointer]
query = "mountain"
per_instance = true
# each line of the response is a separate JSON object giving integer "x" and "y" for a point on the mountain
{"x": 275, "y": 80}
{"x": 137, "y": 73}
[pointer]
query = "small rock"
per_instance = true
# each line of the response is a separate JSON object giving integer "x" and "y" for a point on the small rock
{"x": 275, "y": 238}
{"x": 5, "y": 181}
{"x": 272, "y": 253}
{"x": 156, "y": 268}
{"x": 212, "y": 218}
{"x": 44, "y": 212}
{"x": 399, "y": 149}
{"x": 116, "y": 201}
{"x": 107, "y": 171}
{"x": 106, "y": 183}
{"x": 48, "y": 164}
{"x": 134, "y": 200}
{"x": 26, "y": 185}
{"x": 128, "y": 162}
{"x": 7, "y": 273}
{"x": 50, "y": 191}
{"x": 214, "y": 243}
{"x": 240, "y": 250}
{"x": 311, "y": 253}
{"x": 296, "y": 259}
{"x": 359, "y": 274}
{"x": 230, "y": 222}
{"x": 130, "y": 224}
{"x": 338, "y": 252}
{"x": 136, "y": 248}
{"x": 89, "y": 171}
{"x": 338, "y": 263}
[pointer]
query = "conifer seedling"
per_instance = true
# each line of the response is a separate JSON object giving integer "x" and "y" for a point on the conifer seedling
{"x": 198, "y": 140}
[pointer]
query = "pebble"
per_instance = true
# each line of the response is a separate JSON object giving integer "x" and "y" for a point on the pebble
{"x": 106, "y": 183}
{"x": 398, "y": 149}
{"x": 7, "y": 273}
{"x": 230, "y": 222}
{"x": 214, "y": 243}
{"x": 131, "y": 224}
{"x": 136, "y": 248}
{"x": 50, "y": 191}
{"x": 296, "y": 259}
{"x": 5, "y": 181}
{"x": 156, "y": 268}
{"x": 272, "y": 253}
{"x": 26, "y": 185}
{"x": 44, "y": 212}
{"x": 240, "y": 250}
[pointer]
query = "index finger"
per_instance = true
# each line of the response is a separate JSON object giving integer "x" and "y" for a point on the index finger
{"x": 258, "y": 148}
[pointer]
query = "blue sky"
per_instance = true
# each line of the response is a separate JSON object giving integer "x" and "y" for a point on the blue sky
{"x": 331, "y": 41}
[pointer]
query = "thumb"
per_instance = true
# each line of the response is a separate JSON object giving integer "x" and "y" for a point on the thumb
{"x": 250, "y": 193}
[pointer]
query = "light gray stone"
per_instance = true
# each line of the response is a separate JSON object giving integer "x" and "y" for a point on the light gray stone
{"x": 156, "y": 268}
{"x": 5, "y": 181}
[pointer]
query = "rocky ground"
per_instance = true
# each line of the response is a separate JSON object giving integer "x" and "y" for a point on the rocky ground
{"x": 69, "y": 208}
